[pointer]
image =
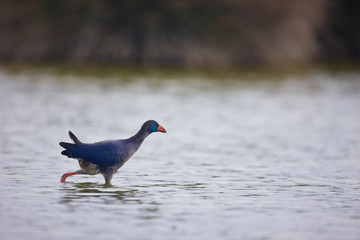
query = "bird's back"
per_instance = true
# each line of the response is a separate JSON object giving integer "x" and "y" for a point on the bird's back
{"x": 104, "y": 153}
{"x": 101, "y": 153}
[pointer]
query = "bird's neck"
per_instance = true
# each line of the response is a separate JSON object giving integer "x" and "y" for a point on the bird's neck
{"x": 140, "y": 135}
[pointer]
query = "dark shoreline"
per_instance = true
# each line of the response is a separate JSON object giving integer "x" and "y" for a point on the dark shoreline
{"x": 185, "y": 34}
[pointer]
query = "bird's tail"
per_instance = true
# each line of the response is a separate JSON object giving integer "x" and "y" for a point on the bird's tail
{"x": 70, "y": 145}
{"x": 74, "y": 138}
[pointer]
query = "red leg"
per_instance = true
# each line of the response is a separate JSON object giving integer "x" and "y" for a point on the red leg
{"x": 63, "y": 178}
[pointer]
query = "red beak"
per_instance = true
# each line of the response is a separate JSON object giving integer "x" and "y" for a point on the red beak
{"x": 161, "y": 129}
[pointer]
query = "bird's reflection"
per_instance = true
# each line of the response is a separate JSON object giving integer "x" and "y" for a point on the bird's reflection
{"x": 142, "y": 194}
{"x": 88, "y": 192}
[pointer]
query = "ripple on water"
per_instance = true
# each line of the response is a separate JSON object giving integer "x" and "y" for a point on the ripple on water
{"x": 242, "y": 160}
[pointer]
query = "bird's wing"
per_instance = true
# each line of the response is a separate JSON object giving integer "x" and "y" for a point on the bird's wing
{"x": 101, "y": 153}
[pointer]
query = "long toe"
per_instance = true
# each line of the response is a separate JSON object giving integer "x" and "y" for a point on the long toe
{"x": 65, "y": 175}
{"x": 63, "y": 178}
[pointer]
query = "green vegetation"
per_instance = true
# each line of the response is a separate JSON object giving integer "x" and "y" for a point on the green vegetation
{"x": 188, "y": 33}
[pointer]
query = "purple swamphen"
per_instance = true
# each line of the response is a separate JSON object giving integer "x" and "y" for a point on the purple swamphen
{"x": 106, "y": 157}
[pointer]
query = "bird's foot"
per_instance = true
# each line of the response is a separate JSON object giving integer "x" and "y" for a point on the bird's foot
{"x": 108, "y": 185}
{"x": 63, "y": 178}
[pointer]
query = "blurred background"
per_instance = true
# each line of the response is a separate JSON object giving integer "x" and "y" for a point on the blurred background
{"x": 260, "y": 100}
{"x": 190, "y": 33}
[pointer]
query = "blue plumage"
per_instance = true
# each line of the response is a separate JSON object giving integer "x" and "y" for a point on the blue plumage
{"x": 103, "y": 153}
{"x": 106, "y": 157}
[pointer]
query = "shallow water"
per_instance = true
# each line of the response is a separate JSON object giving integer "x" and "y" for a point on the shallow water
{"x": 264, "y": 158}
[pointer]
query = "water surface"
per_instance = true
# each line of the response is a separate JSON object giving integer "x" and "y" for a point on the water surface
{"x": 265, "y": 158}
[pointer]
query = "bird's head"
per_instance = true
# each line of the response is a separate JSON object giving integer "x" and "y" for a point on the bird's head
{"x": 152, "y": 126}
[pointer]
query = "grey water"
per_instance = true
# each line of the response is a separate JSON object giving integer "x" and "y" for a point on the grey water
{"x": 269, "y": 157}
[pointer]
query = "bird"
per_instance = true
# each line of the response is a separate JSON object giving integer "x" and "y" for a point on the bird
{"x": 106, "y": 157}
